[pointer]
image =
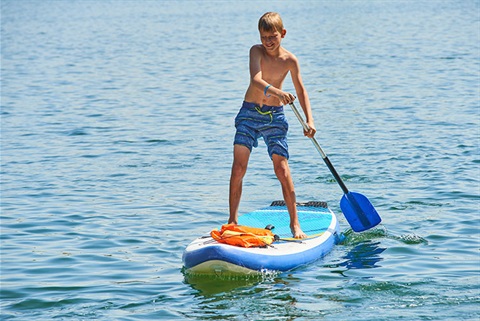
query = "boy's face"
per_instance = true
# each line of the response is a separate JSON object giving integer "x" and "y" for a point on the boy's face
{"x": 271, "y": 40}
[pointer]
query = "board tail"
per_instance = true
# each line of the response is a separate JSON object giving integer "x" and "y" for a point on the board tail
{"x": 306, "y": 204}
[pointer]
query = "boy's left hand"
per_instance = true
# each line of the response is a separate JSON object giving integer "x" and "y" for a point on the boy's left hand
{"x": 311, "y": 130}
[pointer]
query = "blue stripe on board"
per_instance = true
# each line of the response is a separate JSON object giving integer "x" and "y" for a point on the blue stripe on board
{"x": 255, "y": 261}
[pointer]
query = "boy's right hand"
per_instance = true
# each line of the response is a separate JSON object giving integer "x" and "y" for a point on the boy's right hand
{"x": 286, "y": 97}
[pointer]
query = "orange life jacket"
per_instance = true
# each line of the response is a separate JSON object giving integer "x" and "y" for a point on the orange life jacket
{"x": 243, "y": 236}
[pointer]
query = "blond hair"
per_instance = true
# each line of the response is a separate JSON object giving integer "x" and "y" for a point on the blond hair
{"x": 270, "y": 21}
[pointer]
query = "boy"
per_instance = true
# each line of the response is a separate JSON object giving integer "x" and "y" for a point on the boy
{"x": 262, "y": 114}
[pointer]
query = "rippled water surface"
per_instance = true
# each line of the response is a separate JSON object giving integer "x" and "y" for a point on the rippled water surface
{"x": 116, "y": 140}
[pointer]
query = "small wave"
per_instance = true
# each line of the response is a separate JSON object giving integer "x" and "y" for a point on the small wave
{"x": 77, "y": 132}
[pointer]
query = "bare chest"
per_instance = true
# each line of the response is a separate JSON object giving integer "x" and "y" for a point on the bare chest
{"x": 274, "y": 70}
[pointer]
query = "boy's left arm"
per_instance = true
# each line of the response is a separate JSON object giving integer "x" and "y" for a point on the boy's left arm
{"x": 303, "y": 98}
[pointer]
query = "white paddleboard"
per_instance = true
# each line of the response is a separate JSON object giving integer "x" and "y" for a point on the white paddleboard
{"x": 207, "y": 256}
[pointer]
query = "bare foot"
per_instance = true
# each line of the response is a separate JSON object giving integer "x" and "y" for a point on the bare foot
{"x": 297, "y": 232}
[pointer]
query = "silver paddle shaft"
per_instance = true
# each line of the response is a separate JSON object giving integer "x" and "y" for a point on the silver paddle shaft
{"x": 320, "y": 150}
{"x": 306, "y": 128}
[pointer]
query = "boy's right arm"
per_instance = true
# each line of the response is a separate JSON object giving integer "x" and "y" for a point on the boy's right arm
{"x": 256, "y": 76}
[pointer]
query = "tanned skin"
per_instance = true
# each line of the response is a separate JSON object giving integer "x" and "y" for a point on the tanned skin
{"x": 270, "y": 63}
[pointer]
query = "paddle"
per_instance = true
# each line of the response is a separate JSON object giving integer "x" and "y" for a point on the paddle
{"x": 359, "y": 212}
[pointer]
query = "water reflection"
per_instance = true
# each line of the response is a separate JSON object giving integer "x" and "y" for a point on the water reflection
{"x": 213, "y": 285}
{"x": 246, "y": 298}
{"x": 363, "y": 256}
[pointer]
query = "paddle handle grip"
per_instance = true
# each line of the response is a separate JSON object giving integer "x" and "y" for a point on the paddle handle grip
{"x": 320, "y": 150}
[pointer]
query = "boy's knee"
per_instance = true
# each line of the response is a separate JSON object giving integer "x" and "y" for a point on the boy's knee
{"x": 239, "y": 169}
{"x": 281, "y": 172}
{"x": 281, "y": 168}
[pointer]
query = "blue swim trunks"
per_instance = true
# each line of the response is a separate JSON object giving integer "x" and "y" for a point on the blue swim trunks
{"x": 269, "y": 122}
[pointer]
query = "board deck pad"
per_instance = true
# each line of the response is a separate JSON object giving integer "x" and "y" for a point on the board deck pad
{"x": 314, "y": 220}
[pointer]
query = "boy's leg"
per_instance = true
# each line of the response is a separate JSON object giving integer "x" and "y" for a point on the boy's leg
{"x": 282, "y": 170}
{"x": 241, "y": 155}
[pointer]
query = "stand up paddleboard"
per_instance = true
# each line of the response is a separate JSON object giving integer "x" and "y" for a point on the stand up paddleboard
{"x": 207, "y": 256}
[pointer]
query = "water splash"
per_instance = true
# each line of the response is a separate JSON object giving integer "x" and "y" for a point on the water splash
{"x": 351, "y": 238}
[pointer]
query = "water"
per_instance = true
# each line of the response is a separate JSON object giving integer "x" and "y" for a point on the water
{"x": 116, "y": 133}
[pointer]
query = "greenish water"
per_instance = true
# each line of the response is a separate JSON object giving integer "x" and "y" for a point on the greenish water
{"x": 116, "y": 144}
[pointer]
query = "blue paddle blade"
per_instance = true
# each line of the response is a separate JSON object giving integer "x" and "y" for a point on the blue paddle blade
{"x": 359, "y": 212}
